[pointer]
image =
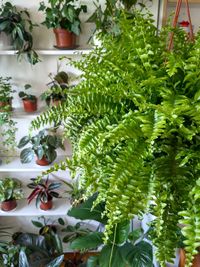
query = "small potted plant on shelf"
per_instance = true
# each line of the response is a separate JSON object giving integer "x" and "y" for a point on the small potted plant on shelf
{"x": 58, "y": 86}
{"x": 5, "y": 94}
{"x": 14, "y": 23}
{"x": 43, "y": 192}
{"x": 10, "y": 191}
{"x": 63, "y": 17}
{"x": 29, "y": 101}
{"x": 43, "y": 146}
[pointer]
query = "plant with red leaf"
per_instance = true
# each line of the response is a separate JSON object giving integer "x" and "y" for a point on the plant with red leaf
{"x": 43, "y": 192}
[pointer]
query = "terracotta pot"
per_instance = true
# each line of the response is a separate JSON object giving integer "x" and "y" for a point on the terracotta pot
{"x": 64, "y": 38}
{"x": 196, "y": 261}
{"x": 7, "y": 104}
{"x": 76, "y": 257}
{"x": 42, "y": 162}
{"x": 29, "y": 105}
{"x": 46, "y": 206}
{"x": 9, "y": 205}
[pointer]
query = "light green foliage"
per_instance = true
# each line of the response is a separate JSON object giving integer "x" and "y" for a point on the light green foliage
{"x": 10, "y": 189}
{"x": 135, "y": 128}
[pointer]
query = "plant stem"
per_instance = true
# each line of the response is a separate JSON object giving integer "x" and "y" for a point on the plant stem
{"x": 111, "y": 254}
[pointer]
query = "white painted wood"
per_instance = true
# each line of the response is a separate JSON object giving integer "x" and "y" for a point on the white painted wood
{"x": 15, "y": 165}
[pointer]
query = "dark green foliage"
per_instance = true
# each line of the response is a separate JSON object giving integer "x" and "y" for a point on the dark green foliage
{"x": 43, "y": 145}
{"x": 15, "y": 23}
{"x": 134, "y": 124}
{"x": 63, "y": 14}
{"x": 24, "y": 96}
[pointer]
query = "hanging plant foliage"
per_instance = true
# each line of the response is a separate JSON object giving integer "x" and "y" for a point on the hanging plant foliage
{"x": 135, "y": 128}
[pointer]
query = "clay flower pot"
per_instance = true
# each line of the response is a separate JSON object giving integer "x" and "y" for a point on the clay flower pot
{"x": 64, "y": 38}
{"x": 196, "y": 261}
{"x": 8, "y": 205}
{"x": 46, "y": 206}
{"x": 43, "y": 161}
{"x": 5, "y": 106}
{"x": 30, "y": 105}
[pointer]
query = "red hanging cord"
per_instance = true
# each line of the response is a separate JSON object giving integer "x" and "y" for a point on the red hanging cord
{"x": 175, "y": 21}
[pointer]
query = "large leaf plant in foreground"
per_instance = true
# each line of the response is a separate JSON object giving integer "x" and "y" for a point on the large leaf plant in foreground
{"x": 134, "y": 125}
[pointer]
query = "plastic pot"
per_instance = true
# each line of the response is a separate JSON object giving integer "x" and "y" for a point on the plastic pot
{"x": 64, "y": 38}
{"x": 46, "y": 206}
{"x": 43, "y": 161}
{"x": 30, "y": 105}
{"x": 8, "y": 205}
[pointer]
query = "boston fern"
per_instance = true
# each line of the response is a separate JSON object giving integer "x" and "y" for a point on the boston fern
{"x": 135, "y": 128}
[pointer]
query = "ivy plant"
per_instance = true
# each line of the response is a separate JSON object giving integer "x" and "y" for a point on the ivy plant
{"x": 18, "y": 25}
{"x": 134, "y": 125}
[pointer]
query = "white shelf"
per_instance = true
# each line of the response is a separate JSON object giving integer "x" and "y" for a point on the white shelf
{"x": 50, "y": 52}
{"x": 19, "y": 113}
{"x": 60, "y": 208}
{"x": 15, "y": 165}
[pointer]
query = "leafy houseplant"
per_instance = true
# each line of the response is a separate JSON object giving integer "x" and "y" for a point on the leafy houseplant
{"x": 5, "y": 94}
{"x": 125, "y": 248}
{"x": 136, "y": 141}
{"x": 43, "y": 146}
{"x": 29, "y": 101}
{"x": 10, "y": 191}
{"x": 14, "y": 24}
{"x": 63, "y": 17}
{"x": 57, "y": 89}
{"x": 106, "y": 18}
{"x": 44, "y": 193}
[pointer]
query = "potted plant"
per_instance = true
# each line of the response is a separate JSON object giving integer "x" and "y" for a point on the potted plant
{"x": 29, "y": 101}
{"x": 14, "y": 23}
{"x": 134, "y": 126}
{"x": 43, "y": 146}
{"x": 58, "y": 87}
{"x": 43, "y": 192}
{"x": 10, "y": 191}
{"x": 5, "y": 94}
{"x": 63, "y": 17}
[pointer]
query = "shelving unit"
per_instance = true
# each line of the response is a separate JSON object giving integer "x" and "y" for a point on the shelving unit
{"x": 15, "y": 165}
{"x": 50, "y": 52}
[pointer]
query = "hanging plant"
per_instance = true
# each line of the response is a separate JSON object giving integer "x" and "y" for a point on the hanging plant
{"x": 134, "y": 125}
{"x": 14, "y": 23}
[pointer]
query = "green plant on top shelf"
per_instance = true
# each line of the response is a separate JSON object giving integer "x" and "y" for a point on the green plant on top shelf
{"x": 43, "y": 146}
{"x": 14, "y": 23}
{"x": 106, "y": 18}
{"x": 58, "y": 88}
{"x": 44, "y": 192}
{"x": 63, "y": 14}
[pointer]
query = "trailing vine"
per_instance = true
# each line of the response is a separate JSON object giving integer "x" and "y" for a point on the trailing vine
{"x": 134, "y": 125}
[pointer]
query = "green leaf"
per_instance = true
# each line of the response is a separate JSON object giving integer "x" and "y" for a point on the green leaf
{"x": 39, "y": 152}
{"x": 75, "y": 27}
{"x": 84, "y": 211}
{"x": 61, "y": 221}
{"x": 24, "y": 141}
{"x": 37, "y": 224}
{"x": 90, "y": 241}
{"x": 93, "y": 261}
{"x": 113, "y": 255}
{"x": 4, "y": 25}
{"x": 122, "y": 232}
{"x": 139, "y": 255}
{"x": 51, "y": 155}
{"x": 27, "y": 155}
